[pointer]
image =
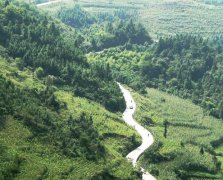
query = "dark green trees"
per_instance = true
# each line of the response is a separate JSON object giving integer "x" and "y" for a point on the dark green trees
{"x": 76, "y": 17}
{"x": 165, "y": 123}
{"x": 221, "y": 110}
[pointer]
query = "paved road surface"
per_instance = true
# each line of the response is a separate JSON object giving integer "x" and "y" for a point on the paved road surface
{"x": 147, "y": 138}
{"x": 48, "y": 3}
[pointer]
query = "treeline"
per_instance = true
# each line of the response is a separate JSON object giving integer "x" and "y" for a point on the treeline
{"x": 120, "y": 33}
{"x": 104, "y": 30}
{"x": 75, "y": 17}
{"x": 124, "y": 14}
{"x": 190, "y": 67}
{"x": 35, "y": 41}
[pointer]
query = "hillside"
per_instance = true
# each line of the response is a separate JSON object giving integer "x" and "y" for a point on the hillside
{"x": 188, "y": 148}
{"x": 35, "y": 40}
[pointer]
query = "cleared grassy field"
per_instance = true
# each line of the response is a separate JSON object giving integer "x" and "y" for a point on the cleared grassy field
{"x": 164, "y": 18}
{"x": 188, "y": 130}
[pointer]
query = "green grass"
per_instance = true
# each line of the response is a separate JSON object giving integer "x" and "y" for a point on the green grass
{"x": 189, "y": 130}
{"x": 23, "y": 78}
{"x": 219, "y": 149}
{"x": 164, "y": 18}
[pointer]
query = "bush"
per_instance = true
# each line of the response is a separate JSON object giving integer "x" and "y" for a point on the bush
{"x": 39, "y": 72}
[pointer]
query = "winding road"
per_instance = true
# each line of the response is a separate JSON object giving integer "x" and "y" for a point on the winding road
{"x": 147, "y": 138}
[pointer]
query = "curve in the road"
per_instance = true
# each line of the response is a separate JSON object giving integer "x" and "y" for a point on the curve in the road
{"x": 147, "y": 138}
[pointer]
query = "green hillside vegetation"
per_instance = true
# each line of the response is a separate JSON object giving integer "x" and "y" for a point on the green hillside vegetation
{"x": 163, "y": 18}
{"x": 60, "y": 108}
{"x": 190, "y": 67}
{"x": 186, "y": 150}
{"x": 187, "y": 66}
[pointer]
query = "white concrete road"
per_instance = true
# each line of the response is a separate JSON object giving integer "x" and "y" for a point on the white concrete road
{"x": 147, "y": 138}
{"x": 48, "y": 3}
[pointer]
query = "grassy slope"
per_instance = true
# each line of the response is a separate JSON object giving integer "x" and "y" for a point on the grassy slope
{"x": 42, "y": 160}
{"x": 179, "y": 17}
{"x": 189, "y": 126}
